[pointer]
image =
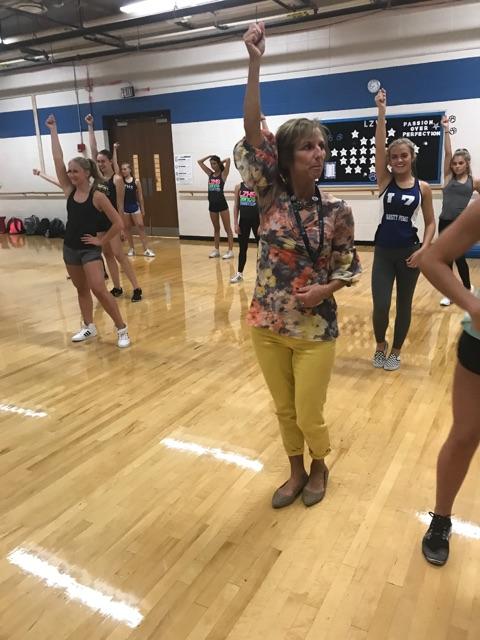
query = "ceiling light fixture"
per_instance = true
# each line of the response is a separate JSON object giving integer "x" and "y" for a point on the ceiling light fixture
{"x": 31, "y": 7}
{"x": 153, "y": 7}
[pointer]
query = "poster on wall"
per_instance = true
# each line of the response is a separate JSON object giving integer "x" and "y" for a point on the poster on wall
{"x": 184, "y": 169}
{"x": 352, "y": 148}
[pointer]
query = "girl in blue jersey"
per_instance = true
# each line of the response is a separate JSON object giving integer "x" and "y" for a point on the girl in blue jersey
{"x": 397, "y": 247}
{"x": 464, "y": 437}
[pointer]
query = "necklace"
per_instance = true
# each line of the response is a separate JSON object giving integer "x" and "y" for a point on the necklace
{"x": 297, "y": 206}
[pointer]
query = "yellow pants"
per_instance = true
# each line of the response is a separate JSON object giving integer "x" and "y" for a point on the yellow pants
{"x": 297, "y": 373}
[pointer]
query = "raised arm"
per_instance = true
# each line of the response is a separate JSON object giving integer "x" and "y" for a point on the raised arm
{"x": 383, "y": 175}
{"x": 203, "y": 166}
{"x": 91, "y": 137}
{"x": 455, "y": 241}
{"x": 255, "y": 42}
{"x": 226, "y": 170}
{"x": 447, "y": 147}
{"x": 263, "y": 123}
{"x": 40, "y": 174}
{"x": 57, "y": 153}
{"x": 116, "y": 167}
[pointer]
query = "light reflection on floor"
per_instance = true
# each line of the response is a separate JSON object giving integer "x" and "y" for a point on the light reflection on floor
{"x": 30, "y": 413}
{"x": 460, "y": 527}
{"x": 97, "y": 600}
{"x": 226, "y": 456}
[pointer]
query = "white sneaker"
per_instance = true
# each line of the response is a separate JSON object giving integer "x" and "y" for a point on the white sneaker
{"x": 130, "y": 253}
{"x": 238, "y": 277}
{"x": 392, "y": 363}
{"x": 123, "y": 339}
{"x": 228, "y": 255}
{"x": 149, "y": 253}
{"x": 87, "y": 331}
{"x": 445, "y": 302}
{"x": 215, "y": 254}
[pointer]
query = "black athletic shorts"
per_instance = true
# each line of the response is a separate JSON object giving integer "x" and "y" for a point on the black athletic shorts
{"x": 468, "y": 352}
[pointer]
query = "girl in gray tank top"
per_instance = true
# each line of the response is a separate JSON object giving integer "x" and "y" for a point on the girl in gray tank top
{"x": 458, "y": 189}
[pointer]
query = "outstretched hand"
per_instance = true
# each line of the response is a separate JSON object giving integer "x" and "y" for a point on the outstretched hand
{"x": 36, "y": 172}
{"x": 446, "y": 123}
{"x": 254, "y": 40}
{"x": 89, "y": 119}
{"x": 381, "y": 101}
{"x": 116, "y": 145}
{"x": 50, "y": 122}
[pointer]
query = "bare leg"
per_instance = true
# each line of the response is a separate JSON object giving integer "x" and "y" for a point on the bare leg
{"x": 463, "y": 439}
{"x": 117, "y": 249}
{"x": 112, "y": 265}
{"x": 77, "y": 276}
{"x": 225, "y": 215}
{"x": 94, "y": 275}
{"x": 137, "y": 219}
{"x": 215, "y": 218}
{"x": 127, "y": 229}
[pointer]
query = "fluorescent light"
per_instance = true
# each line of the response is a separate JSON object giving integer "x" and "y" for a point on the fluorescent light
{"x": 226, "y": 456}
{"x": 11, "y": 408}
{"x": 92, "y": 598}
{"x": 152, "y": 7}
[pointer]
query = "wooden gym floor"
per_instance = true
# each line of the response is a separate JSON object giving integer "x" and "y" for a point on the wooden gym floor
{"x": 136, "y": 484}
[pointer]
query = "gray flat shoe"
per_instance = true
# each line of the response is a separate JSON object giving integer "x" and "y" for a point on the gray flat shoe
{"x": 310, "y": 497}
{"x": 280, "y": 500}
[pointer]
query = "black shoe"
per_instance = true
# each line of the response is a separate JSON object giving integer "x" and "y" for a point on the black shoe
{"x": 435, "y": 546}
{"x": 137, "y": 295}
{"x": 116, "y": 292}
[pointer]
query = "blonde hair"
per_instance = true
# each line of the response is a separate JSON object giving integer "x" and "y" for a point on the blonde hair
{"x": 91, "y": 167}
{"x": 465, "y": 154}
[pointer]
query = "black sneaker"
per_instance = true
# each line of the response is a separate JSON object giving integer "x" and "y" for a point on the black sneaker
{"x": 435, "y": 546}
{"x": 116, "y": 292}
{"x": 137, "y": 295}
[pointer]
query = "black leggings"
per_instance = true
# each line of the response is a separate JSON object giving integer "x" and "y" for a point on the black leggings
{"x": 462, "y": 265}
{"x": 246, "y": 225}
{"x": 389, "y": 266}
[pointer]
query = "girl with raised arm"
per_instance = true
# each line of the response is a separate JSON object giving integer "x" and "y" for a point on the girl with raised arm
{"x": 114, "y": 185}
{"x": 462, "y": 442}
{"x": 397, "y": 247}
{"x": 306, "y": 253}
{"x": 82, "y": 246}
{"x": 458, "y": 188}
{"x": 217, "y": 175}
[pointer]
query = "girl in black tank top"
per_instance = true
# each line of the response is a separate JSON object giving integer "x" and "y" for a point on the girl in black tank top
{"x": 82, "y": 243}
{"x": 458, "y": 188}
{"x": 246, "y": 219}
{"x": 114, "y": 189}
{"x": 134, "y": 210}
{"x": 217, "y": 174}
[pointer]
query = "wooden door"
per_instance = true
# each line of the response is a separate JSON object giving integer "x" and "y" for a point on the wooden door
{"x": 146, "y": 143}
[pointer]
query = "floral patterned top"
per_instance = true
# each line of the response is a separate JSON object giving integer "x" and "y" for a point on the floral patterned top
{"x": 283, "y": 263}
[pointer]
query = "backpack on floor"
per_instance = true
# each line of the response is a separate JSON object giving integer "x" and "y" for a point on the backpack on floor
{"x": 31, "y": 225}
{"x": 15, "y": 226}
{"x": 43, "y": 227}
{"x": 3, "y": 226}
{"x": 56, "y": 230}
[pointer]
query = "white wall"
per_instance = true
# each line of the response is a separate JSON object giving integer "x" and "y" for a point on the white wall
{"x": 383, "y": 39}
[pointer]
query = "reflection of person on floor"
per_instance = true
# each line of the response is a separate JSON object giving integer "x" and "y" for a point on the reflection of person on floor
{"x": 222, "y": 305}
{"x": 306, "y": 254}
{"x": 464, "y": 437}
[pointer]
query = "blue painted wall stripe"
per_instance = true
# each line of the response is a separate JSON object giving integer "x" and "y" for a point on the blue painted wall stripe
{"x": 418, "y": 83}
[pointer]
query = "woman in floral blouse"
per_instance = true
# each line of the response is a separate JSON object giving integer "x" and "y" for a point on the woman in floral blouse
{"x": 306, "y": 253}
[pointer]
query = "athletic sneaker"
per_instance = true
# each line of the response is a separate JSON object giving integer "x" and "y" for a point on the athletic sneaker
{"x": 149, "y": 253}
{"x": 238, "y": 277}
{"x": 445, "y": 302}
{"x": 116, "y": 292}
{"x": 137, "y": 295}
{"x": 123, "y": 339}
{"x": 215, "y": 254}
{"x": 130, "y": 253}
{"x": 228, "y": 255}
{"x": 380, "y": 357}
{"x": 435, "y": 545}
{"x": 392, "y": 363}
{"x": 87, "y": 331}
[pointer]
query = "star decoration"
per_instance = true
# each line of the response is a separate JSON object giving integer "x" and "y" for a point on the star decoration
{"x": 343, "y": 161}
{"x": 343, "y": 152}
{"x": 353, "y": 160}
{"x": 334, "y": 153}
{"x": 363, "y": 149}
{"x": 355, "y": 134}
{"x": 362, "y": 160}
{"x": 363, "y": 141}
{"x": 348, "y": 170}
{"x": 391, "y": 132}
{"x": 353, "y": 151}
{"x": 358, "y": 170}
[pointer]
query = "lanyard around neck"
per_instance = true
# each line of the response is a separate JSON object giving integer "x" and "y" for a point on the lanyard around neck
{"x": 296, "y": 206}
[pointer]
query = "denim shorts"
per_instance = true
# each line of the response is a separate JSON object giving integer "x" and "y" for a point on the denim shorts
{"x": 79, "y": 257}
